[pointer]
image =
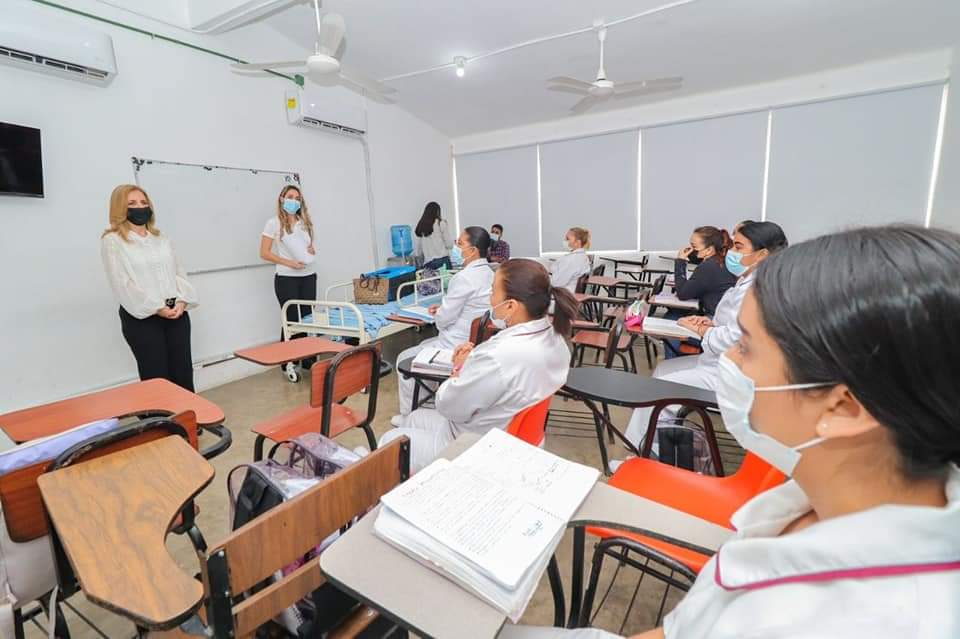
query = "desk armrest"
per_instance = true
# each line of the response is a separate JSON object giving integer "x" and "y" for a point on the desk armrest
{"x": 611, "y": 507}
{"x": 224, "y": 441}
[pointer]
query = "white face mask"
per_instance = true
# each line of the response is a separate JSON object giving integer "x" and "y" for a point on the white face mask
{"x": 735, "y": 394}
{"x": 498, "y": 323}
{"x": 495, "y": 237}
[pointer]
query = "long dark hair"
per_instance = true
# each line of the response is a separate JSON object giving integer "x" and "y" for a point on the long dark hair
{"x": 719, "y": 239}
{"x": 876, "y": 309}
{"x": 478, "y": 237}
{"x": 765, "y": 235}
{"x": 528, "y": 282}
{"x": 431, "y": 214}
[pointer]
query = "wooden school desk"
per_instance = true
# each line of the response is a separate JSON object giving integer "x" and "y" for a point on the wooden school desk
{"x": 431, "y": 605}
{"x": 154, "y": 396}
{"x": 292, "y": 350}
{"x": 112, "y": 515}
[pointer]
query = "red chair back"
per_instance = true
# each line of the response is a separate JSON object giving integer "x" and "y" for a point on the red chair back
{"x": 530, "y": 424}
{"x": 757, "y": 475}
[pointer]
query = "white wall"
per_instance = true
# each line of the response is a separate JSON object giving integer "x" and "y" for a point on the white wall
{"x": 59, "y": 323}
{"x": 946, "y": 202}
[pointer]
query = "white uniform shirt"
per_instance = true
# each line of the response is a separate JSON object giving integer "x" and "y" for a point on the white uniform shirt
{"x": 568, "y": 268}
{"x": 435, "y": 245}
{"x": 144, "y": 272}
{"x": 467, "y": 298}
{"x": 291, "y": 246}
{"x": 890, "y": 572}
{"x": 726, "y": 331}
{"x": 515, "y": 369}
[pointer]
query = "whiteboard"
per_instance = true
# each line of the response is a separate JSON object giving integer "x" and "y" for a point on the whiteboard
{"x": 214, "y": 215}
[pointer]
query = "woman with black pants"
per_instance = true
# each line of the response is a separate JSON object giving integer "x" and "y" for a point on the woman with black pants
{"x": 287, "y": 241}
{"x": 151, "y": 286}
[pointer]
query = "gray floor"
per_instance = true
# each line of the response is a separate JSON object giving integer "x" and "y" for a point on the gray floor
{"x": 251, "y": 400}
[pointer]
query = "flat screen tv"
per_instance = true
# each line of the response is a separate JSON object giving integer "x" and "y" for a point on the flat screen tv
{"x": 21, "y": 166}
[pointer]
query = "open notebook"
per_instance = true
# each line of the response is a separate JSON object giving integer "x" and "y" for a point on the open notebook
{"x": 433, "y": 360}
{"x": 490, "y": 520}
{"x": 417, "y": 312}
{"x": 670, "y": 328}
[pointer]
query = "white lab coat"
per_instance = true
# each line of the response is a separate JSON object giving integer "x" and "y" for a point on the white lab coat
{"x": 567, "y": 268}
{"x": 885, "y": 573}
{"x": 467, "y": 298}
{"x": 513, "y": 370}
{"x": 699, "y": 371}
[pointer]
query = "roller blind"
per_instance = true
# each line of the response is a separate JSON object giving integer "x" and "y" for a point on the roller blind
{"x": 500, "y": 187}
{"x": 590, "y": 182}
{"x": 852, "y": 161}
{"x": 708, "y": 172}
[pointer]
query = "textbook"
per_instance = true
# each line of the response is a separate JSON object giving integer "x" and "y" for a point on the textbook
{"x": 433, "y": 360}
{"x": 489, "y": 520}
{"x": 670, "y": 328}
{"x": 416, "y": 312}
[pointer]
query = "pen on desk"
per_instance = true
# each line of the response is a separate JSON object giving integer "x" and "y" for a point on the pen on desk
{"x": 433, "y": 357}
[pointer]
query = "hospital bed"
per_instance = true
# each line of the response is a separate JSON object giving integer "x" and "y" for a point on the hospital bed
{"x": 339, "y": 317}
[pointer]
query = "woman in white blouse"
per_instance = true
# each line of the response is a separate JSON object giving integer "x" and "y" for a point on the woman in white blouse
{"x": 287, "y": 241}
{"x": 151, "y": 286}
{"x": 568, "y": 268}
{"x": 432, "y": 241}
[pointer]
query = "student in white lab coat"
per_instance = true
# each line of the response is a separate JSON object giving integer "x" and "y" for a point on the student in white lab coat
{"x": 467, "y": 298}
{"x": 523, "y": 364}
{"x": 568, "y": 268}
{"x": 752, "y": 243}
{"x": 826, "y": 384}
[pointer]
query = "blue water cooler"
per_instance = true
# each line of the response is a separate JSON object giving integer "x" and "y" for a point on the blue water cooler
{"x": 401, "y": 237}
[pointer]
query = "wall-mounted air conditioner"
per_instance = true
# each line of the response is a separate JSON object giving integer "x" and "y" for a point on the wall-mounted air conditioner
{"x": 32, "y": 40}
{"x": 321, "y": 111}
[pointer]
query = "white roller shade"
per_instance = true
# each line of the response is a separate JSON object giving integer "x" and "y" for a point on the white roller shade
{"x": 590, "y": 182}
{"x": 708, "y": 172}
{"x": 500, "y": 187}
{"x": 852, "y": 162}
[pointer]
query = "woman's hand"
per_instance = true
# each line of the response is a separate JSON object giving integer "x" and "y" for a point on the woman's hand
{"x": 693, "y": 321}
{"x": 311, "y": 250}
{"x": 166, "y": 313}
{"x": 433, "y": 311}
{"x": 460, "y": 354}
{"x": 684, "y": 253}
{"x": 178, "y": 310}
{"x": 294, "y": 264}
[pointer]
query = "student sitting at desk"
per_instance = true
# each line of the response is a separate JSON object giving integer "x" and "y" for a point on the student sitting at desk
{"x": 523, "y": 364}
{"x": 708, "y": 247}
{"x": 753, "y": 243}
{"x": 151, "y": 286}
{"x": 499, "y": 248}
{"x": 432, "y": 241}
{"x": 568, "y": 268}
{"x": 825, "y": 384}
{"x": 467, "y": 298}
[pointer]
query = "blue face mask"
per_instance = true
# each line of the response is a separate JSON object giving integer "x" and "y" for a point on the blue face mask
{"x": 291, "y": 206}
{"x": 456, "y": 254}
{"x": 733, "y": 262}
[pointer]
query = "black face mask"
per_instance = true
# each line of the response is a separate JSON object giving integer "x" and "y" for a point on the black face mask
{"x": 139, "y": 215}
{"x": 693, "y": 258}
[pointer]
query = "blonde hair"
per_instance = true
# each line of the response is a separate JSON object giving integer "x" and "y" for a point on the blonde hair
{"x": 582, "y": 235}
{"x": 118, "y": 212}
{"x": 304, "y": 213}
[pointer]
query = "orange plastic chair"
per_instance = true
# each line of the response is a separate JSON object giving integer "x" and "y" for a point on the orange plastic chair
{"x": 530, "y": 424}
{"x": 714, "y": 499}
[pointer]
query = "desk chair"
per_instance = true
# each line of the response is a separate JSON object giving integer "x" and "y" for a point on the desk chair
{"x": 250, "y": 555}
{"x": 530, "y": 424}
{"x": 714, "y": 499}
{"x": 482, "y": 329}
{"x": 332, "y": 382}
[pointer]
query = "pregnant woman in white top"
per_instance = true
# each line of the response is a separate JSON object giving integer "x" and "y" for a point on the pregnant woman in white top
{"x": 151, "y": 286}
{"x": 287, "y": 241}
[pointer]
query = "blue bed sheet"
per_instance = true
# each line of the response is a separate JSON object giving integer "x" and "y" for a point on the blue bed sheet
{"x": 374, "y": 315}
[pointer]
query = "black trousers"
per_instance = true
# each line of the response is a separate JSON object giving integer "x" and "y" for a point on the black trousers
{"x": 160, "y": 346}
{"x": 288, "y": 288}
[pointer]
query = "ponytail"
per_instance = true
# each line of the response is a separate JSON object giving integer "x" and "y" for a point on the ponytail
{"x": 719, "y": 239}
{"x": 565, "y": 309}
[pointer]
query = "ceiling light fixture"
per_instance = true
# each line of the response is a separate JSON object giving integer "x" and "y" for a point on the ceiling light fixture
{"x": 461, "y": 63}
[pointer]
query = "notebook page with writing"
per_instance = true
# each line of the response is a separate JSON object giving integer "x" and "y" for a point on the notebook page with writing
{"x": 488, "y": 525}
{"x": 554, "y": 484}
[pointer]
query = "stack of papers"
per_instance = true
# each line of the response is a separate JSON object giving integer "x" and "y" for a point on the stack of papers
{"x": 433, "y": 360}
{"x": 489, "y": 520}
{"x": 670, "y": 299}
{"x": 416, "y": 312}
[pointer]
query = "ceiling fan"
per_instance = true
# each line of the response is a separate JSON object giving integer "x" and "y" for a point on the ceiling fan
{"x": 323, "y": 67}
{"x": 603, "y": 89}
